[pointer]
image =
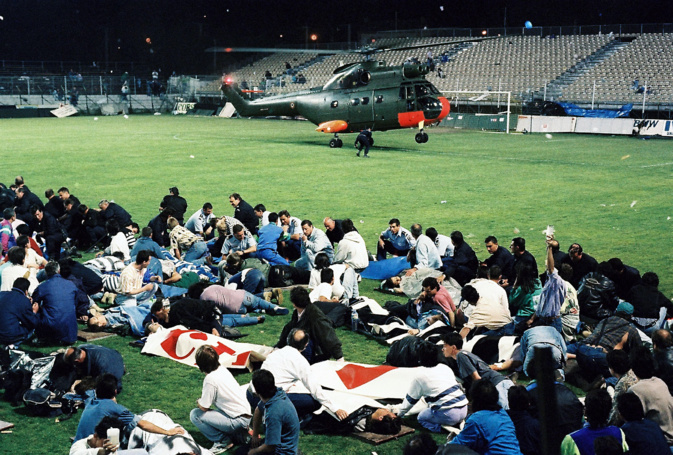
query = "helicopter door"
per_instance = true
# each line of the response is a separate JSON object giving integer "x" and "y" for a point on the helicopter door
{"x": 360, "y": 109}
{"x": 407, "y": 99}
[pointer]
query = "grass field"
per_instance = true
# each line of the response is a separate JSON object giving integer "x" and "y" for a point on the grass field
{"x": 611, "y": 194}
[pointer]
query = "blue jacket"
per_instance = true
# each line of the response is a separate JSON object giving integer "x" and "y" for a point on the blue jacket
{"x": 17, "y": 319}
{"x": 268, "y": 237}
{"x": 58, "y": 299}
{"x": 146, "y": 243}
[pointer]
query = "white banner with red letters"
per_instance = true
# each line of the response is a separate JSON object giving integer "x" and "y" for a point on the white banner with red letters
{"x": 180, "y": 344}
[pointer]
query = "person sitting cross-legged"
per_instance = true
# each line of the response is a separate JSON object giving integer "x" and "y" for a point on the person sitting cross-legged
{"x": 223, "y": 412}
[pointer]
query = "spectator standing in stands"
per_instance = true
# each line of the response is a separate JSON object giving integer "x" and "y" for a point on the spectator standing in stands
{"x": 177, "y": 203}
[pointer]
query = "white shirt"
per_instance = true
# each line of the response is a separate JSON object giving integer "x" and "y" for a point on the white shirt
{"x": 289, "y": 369}
{"x": 119, "y": 243}
{"x": 491, "y": 291}
{"x": 221, "y": 390}
{"x": 323, "y": 290}
{"x": 12, "y": 272}
{"x": 82, "y": 447}
{"x": 444, "y": 245}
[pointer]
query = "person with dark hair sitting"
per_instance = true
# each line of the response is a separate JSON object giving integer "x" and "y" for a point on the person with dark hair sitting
{"x": 14, "y": 268}
{"x": 463, "y": 268}
{"x": 61, "y": 304}
{"x": 420, "y": 444}
{"x": 227, "y": 423}
{"x": 527, "y": 427}
{"x": 50, "y": 229}
{"x": 620, "y": 367}
{"x": 596, "y": 410}
{"x": 104, "y": 403}
{"x": 132, "y": 290}
{"x": 324, "y": 342}
{"x": 626, "y": 277}
{"x": 650, "y": 307}
{"x": 662, "y": 349}
{"x": 18, "y": 314}
{"x": 488, "y": 317}
{"x": 447, "y": 404}
{"x": 99, "y": 439}
{"x": 643, "y": 436}
{"x": 488, "y": 429}
{"x": 471, "y": 368}
{"x": 652, "y": 391}
{"x": 281, "y": 435}
{"x": 352, "y": 250}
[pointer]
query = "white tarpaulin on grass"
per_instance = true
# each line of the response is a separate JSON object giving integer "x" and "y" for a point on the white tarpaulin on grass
{"x": 180, "y": 344}
{"x": 373, "y": 381}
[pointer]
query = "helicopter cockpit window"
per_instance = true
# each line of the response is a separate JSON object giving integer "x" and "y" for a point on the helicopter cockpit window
{"x": 379, "y": 99}
{"x": 365, "y": 100}
{"x": 334, "y": 104}
{"x": 406, "y": 92}
{"x": 355, "y": 102}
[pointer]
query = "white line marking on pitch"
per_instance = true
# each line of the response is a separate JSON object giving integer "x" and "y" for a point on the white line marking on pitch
{"x": 658, "y": 165}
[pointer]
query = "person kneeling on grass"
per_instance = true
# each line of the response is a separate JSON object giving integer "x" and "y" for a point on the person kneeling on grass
{"x": 227, "y": 423}
{"x": 437, "y": 384}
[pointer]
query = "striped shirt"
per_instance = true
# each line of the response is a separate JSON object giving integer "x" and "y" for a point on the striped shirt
{"x": 225, "y": 226}
{"x": 438, "y": 386}
{"x": 130, "y": 279}
{"x": 106, "y": 264}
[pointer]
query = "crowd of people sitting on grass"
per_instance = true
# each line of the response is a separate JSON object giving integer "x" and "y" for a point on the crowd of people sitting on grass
{"x": 602, "y": 326}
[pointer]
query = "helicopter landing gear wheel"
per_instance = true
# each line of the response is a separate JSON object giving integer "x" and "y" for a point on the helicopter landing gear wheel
{"x": 336, "y": 143}
{"x": 421, "y": 138}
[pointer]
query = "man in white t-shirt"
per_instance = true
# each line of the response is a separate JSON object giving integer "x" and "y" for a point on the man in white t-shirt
{"x": 325, "y": 291}
{"x": 223, "y": 412}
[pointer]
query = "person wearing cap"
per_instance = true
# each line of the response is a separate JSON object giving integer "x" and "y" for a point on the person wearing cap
{"x": 177, "y": 203}
{"x": 614, "y": 332}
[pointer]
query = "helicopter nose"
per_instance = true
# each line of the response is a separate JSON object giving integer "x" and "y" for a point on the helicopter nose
{"x": 333, "y": 126}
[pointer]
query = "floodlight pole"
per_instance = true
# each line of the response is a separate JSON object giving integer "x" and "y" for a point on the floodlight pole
{"x": 593, "y": 95}
{"x": 644, "y": 97}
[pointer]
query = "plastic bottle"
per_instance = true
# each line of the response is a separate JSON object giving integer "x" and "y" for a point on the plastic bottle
{"x": 355, "y": 319}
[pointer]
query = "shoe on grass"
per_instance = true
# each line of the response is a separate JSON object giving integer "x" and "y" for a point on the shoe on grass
{"x": 278, "y": 295}
{"x": 278, "y": 311}
{"x": 221, "y": 447}
{"x": 268, "y": 295}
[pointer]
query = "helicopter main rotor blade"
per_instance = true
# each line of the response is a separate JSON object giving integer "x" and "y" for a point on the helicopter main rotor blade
{"x": 274, "y": 50}
{"x": 421, "y": 46}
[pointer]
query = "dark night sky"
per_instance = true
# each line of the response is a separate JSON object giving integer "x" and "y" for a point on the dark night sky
{"x": 181, "y": 30}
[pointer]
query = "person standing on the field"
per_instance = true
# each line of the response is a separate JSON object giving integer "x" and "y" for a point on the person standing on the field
{"x": 364, "y": 140}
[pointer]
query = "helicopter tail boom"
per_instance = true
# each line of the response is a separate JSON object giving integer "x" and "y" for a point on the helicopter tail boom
{"x": 277, "y": 107}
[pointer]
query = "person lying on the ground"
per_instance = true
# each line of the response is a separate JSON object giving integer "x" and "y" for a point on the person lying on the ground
{"x": 156, "y": 444}
{"x": 236, "y": 301}
{"x": 412, "y": 285}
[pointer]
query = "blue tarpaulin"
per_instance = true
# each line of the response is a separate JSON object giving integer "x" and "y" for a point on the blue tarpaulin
{"x": 576, "y": 111}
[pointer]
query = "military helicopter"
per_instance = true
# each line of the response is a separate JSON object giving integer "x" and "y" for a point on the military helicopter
{"x": 367, "y": 94}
